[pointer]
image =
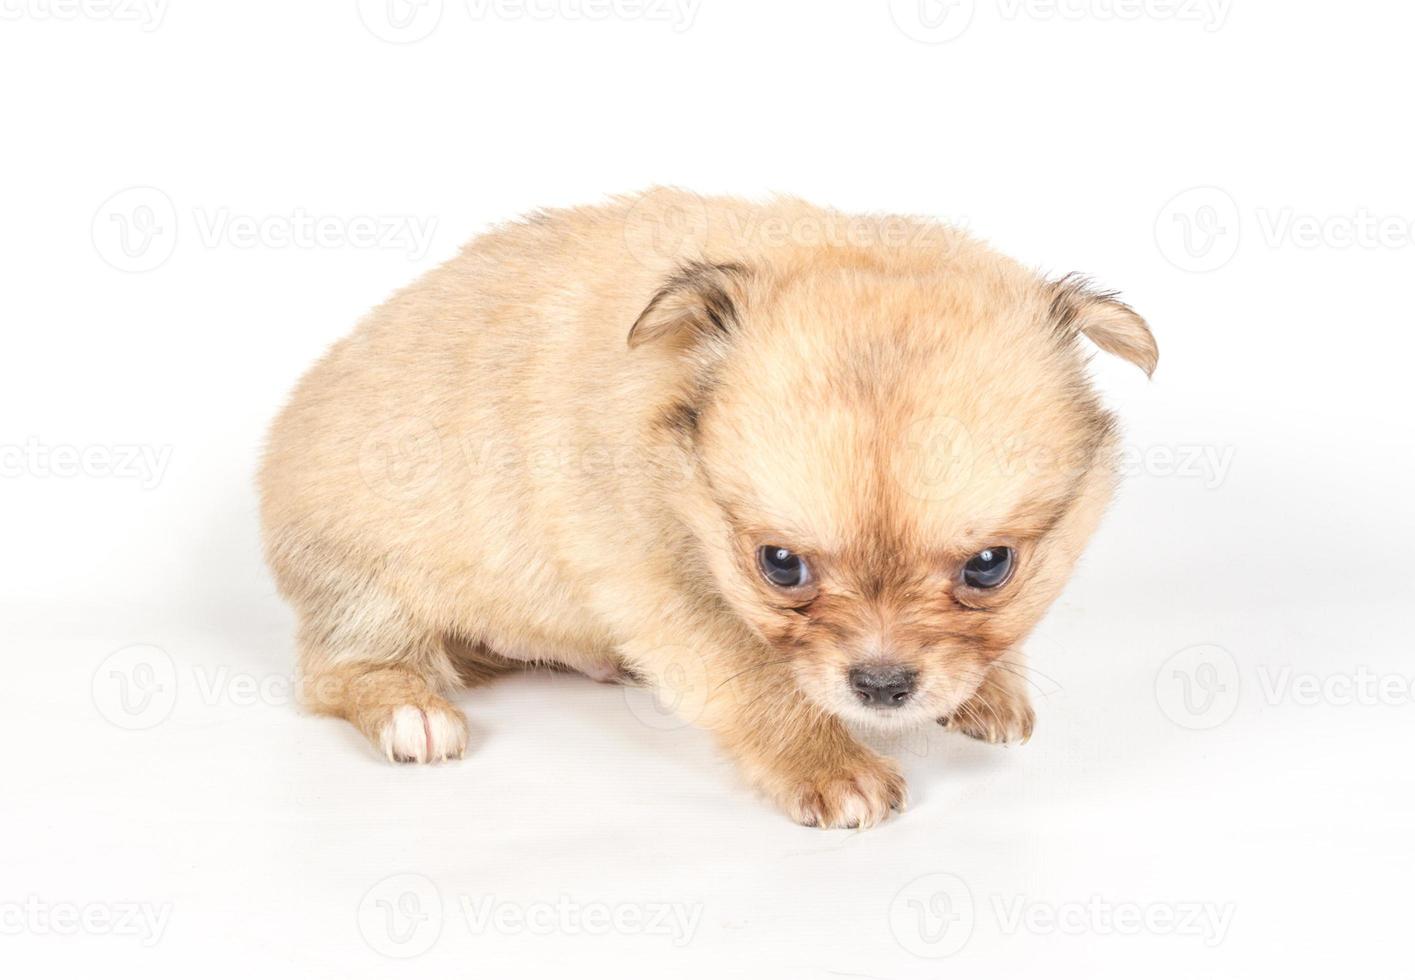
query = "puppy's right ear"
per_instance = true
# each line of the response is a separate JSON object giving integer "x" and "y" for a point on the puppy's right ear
{"x": 700, "y": 300}
{"x": 1111, "y": 325}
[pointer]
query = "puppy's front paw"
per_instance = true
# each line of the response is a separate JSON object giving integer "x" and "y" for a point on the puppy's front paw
{"x": 860, "y": 794}
{"x": 432, "y": 732}
{"x": 998, "y": 712}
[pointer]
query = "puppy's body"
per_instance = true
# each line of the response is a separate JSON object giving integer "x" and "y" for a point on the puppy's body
{"x": 492, "y": 470}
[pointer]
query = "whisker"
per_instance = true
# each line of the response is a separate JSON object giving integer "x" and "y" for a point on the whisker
{"x": 1019, "y": 670}
{"x": 769, "y": 663}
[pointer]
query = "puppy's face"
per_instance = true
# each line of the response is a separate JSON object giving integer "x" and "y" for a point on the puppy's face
{"x": 904, "y": 472}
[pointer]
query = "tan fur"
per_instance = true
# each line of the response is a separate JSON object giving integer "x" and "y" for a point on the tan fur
{"x": 492, "y": 471}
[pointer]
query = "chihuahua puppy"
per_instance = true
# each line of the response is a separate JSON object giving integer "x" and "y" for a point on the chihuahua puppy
{"x": 796, "y": 470}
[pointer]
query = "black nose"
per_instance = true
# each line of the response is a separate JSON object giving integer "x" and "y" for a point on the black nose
{"x": 883, "y": 687}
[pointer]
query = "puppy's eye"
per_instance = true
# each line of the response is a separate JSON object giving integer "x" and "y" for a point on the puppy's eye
{"x": 782, "y": 567}
{"x": 988, "y": 569}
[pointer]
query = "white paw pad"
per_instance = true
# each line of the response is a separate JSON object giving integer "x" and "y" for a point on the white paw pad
{"x": 416, "y": 735}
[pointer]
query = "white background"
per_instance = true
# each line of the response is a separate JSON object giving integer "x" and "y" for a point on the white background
{"x": 1220, "y": 784}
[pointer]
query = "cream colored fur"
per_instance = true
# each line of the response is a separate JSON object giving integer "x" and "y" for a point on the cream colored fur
{"x": 490, "y": 472}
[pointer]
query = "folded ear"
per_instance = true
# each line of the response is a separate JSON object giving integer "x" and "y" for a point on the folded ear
{"x": 698, "y": 301}
{"x": 1111, "y": 325}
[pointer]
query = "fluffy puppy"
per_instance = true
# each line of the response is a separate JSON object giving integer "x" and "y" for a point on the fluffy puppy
{"x": 792, "y": 468}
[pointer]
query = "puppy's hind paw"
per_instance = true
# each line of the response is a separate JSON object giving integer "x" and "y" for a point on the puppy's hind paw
{"x": 433, "y": 732}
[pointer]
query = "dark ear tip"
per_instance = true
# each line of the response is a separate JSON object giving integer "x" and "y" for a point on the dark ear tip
{"x": 695, "y": 302}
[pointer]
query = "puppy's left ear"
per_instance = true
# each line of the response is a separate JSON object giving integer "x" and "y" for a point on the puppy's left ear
{"x": 699, "y": 301}
{"x": 1111, "y": 325}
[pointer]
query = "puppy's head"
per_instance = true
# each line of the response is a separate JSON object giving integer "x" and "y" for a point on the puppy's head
{"x": 901, "y": 468}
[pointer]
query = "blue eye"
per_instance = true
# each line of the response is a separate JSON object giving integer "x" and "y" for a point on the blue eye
{"x": 988, "y": 569}
{"x": 782, "y": 567}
